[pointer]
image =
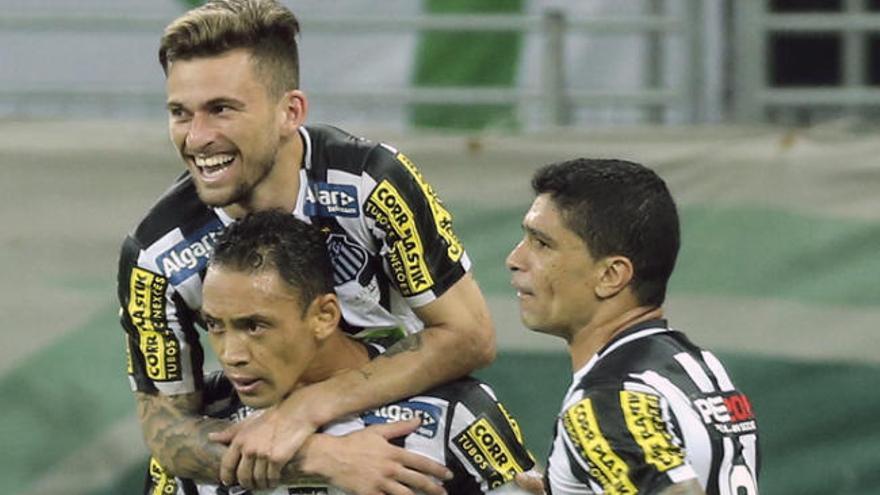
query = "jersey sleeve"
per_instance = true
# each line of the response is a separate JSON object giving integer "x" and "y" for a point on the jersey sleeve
{"x": 423, "y": 257}
{"x": 486, "y": 443}
{"x": 163, "y": 350}
{"x": 623, "y": 441}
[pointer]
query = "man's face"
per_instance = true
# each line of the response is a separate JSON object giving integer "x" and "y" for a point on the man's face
{"x": 224, "y": 123}
{"x": 552, "y": 272}
{"x": 258, "y": 333}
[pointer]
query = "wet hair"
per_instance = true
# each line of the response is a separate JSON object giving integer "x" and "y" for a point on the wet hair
{"x": 275, "y": 240}
{"x": 266, "y": 28}
{"x": 618, "y": 208}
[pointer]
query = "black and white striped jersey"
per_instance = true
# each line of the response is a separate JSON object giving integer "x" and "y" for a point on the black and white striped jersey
{"x": 389, "y": 236}
{"x": 649, "y": 410}
{"x": 463, "y": 427}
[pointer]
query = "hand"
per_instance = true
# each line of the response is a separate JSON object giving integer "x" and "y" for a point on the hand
{"x": 261, "y": 445}
{"x": 364, "y": 463}
{"x": 531, "y": 481}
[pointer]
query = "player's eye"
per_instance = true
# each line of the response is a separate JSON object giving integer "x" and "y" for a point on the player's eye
{"x": 212, "y": 325}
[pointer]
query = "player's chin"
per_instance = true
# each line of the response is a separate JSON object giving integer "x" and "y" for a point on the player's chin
{"x": 215, "y": 197}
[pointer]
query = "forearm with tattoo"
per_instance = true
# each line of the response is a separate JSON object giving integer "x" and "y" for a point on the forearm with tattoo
{"x": 177, "y": 435}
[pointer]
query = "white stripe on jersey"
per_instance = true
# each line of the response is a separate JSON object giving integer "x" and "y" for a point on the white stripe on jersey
{"x": 695, "y": 372}
{"x": 559, "y": 470}
{"x": 718, "y": 370}
{"x": 693, "y": 430}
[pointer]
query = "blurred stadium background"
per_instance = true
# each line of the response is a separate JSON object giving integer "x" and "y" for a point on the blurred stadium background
{"x": 761, "y": 115}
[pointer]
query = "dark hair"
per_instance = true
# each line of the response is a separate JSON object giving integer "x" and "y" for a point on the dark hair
{"x": 618, "y": 208}
{"x": 265, "y": 27}
{"x": 277, "y": 240}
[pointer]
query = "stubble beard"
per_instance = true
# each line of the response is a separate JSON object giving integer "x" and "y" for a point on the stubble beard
{"x": 243, "y": 192}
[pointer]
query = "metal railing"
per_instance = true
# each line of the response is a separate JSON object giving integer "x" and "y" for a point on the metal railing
{"x": 754, "y": 96}
{"x": 554, "y": 95}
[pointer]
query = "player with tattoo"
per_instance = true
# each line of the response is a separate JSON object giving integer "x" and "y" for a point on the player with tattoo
{"x": 272, "y": 319}
{"x": 237, "y": 118}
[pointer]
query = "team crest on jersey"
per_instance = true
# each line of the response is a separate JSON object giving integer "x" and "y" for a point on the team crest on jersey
{"x": 348, "y": 258}
{"x": 332, "y": 200}
{"x": 402, "y": 411}
{"x": 189, "y": 256}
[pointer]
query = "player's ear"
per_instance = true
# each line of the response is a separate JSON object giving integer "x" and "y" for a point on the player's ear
{"x": 614, "y": 274}
{"x": 293, "y": 108}
{"x": 323, "y": 315}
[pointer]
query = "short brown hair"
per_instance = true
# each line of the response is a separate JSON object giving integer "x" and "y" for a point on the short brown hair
{"x": 265, "y": 27}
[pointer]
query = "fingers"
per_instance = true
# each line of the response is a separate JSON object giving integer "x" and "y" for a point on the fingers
{"x": 261, "y": 480}
{"x": 273, "y": 474}
{"x": 423, "y": 465}
{"x": 245, "y": 472}
{"x": 419, "y": 482}
{"x": 229, "y": 464}
{"x": 398, "y": 429}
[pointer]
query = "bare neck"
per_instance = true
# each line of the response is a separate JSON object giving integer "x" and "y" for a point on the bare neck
{"x": 337, "y": 354}
{"x": 603, "y": 328}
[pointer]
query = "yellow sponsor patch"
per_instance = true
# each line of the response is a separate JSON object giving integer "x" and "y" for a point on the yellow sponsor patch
{"x": 605, "y": 466}
{"x": 407, "y": 255}
{"x": 146, "y": 307}
{"x": 487, "y": 452}
{"x": 442, "y": 217}
{"x": 644, "y": 419}
{"x": 163, "y": 483}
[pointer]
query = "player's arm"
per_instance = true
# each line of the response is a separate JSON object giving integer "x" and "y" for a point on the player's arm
{"x": 177, "y": 435}
{"x": 457, "y": 339}
{"x": 163, "y": 355}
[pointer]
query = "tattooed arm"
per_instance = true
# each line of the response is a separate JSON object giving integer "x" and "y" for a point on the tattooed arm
{"x": 458, "y": 338}
{"x": 177, "y": 435}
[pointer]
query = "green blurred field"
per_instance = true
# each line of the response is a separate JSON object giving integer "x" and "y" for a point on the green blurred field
{"x": 778, "y": 273}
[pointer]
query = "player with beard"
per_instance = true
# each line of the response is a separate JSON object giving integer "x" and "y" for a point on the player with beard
{"x": 237, "y": 117}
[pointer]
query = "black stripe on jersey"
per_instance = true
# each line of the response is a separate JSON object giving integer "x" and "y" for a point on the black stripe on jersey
{"x": 469, "y": 392}
{"x": 334, "y": 148}
{"x": 179, "y": 207}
